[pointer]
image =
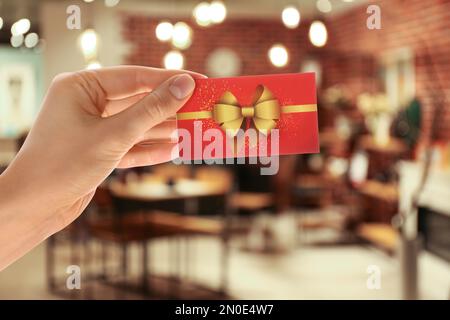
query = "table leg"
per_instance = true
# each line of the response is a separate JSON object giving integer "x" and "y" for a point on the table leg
{"x": 50, "y": 265}
{"x": 74, "y": 252}
{"x": 145, "y": 278}
{"x": 104, "y": 253}
{"x": 226, "y": 234}
{"x": 173, "y": 254}
{"x": 191, "y": 207}
{"x": 87, "y": 266}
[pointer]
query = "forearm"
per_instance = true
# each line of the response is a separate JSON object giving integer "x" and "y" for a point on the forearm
{"x": 25, "y": 220}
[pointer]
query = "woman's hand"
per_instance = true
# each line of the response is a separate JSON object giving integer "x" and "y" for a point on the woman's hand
{"x": 90, "y": 123}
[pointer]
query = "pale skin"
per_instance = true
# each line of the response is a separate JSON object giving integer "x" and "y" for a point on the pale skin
{"x": 90, "y": 123}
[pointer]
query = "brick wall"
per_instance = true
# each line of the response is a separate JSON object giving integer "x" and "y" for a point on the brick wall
{"x": 349, "y": 57}
{"x": 251, "y": 39}
{"x": 423, "y": 26}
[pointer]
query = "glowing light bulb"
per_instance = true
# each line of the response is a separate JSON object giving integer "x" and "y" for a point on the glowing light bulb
{"x": 278, "y": 55}
{"x": 1, "y": 23}
{"x": 318, "y": 34}
{"x": 111, "y": 3}
{"x": 164, "y": 31}
{"x": 173, "y": 60}
{"x": 20, "y": 27}
{"x": 182, "y": 35}
{"x": 290, "y": 17}
{"x": 31, "y": 40}
{"x": 217, "y": 11}
{"x": 88, "y": 43}
{"x": 324, "y": 6}
{"x": 93, "y": 65}
{"x": 202, "y": 14}
{"x": 17, "y": 40}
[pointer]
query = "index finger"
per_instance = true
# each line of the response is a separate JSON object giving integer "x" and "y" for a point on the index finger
{"x": 124, "y": 81}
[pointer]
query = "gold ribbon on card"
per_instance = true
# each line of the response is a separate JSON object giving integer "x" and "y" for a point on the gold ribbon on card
{"x": 265, "y": 111}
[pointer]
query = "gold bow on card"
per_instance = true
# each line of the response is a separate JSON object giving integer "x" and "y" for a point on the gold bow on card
{"x": 265, "y": 111}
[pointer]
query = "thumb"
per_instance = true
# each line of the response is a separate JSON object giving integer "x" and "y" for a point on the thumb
{"x": 157, "y": 106}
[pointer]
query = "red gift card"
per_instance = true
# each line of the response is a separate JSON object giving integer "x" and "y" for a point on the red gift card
{"x": 246, "y": 116}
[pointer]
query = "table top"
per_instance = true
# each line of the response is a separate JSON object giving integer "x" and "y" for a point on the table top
{"x": 153, "y": 188}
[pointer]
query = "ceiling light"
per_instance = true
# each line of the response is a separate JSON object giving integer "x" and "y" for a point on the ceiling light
{"x": 31, "y": 40}
{"x": 290, "y": 17}
{"x": 88, "y": 43}
{"x": 173, "y": 60}
{"x": 1, "y": 23}
{"x": 318, "y": 34}
{"x": 182, "y": 35}
{"x": 278, "y": 55}
{"x": 20, "y": 27}
{"x": 93, "y": 65}
{"x": 111, "y": 3}
{"x": 324, "y": 6}
{"x": 217, "y": 11}
{"x": 202, "y": 14}
{"x": 164, "y": 31}
{"x": 17, "y": 41}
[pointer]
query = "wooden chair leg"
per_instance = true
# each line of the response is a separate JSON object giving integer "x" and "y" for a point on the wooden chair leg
{"x": 88, "y": 267}
{"x": 145, "y": 278}
{"x": 50, "y": 265}
{"x": 74, "y": 256}
{"x": 104, "y": 249}
{"x": 124, "y": 262}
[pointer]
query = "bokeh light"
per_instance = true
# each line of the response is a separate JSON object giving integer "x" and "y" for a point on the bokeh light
{"x": 17, "y": 40}
{"x": 290, "y": 17}
{"x": 164, "y": 31}
{"x": 182, "y": 35}
{"x": 93, "y": 65}
{"x": 202, "y": 14}
{"x": 31, "y": 40}
{"x": 324, "y": 6}
{"x": 174, "y": 60}
{"x": 318, "y": 34}
{"x": 278, "y": 55}
{"x": 88, "y": 43}
{"x": 218, "y": 11}
{"x": 111, "y": 3}
{"x": 21, "y": 26}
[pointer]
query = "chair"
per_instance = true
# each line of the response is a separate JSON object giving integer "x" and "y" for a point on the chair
{"x": 122, "y": 229}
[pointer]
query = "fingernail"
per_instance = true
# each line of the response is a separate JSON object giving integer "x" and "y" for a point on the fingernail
{"x": 182, "y": 86}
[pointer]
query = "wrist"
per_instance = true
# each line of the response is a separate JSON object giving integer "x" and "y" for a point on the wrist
{"x": 24, "y": 223}
{"x": 25, "y": 203}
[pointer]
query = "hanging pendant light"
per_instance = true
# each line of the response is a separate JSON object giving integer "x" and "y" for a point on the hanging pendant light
{"x": 318, "y": 34}
{"x": 290, "y": 17}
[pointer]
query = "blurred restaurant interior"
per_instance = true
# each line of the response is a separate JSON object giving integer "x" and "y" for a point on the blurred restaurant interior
{"x": 366, "y": 218}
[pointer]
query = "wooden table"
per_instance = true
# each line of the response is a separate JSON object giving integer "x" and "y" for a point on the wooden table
{"x": 151, "y": 189}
